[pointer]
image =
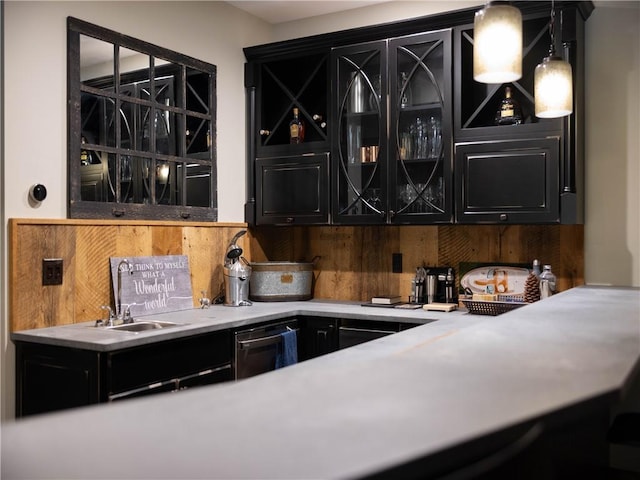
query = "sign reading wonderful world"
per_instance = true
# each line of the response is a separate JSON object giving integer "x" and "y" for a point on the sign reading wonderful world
{"x": 151, "y": 284}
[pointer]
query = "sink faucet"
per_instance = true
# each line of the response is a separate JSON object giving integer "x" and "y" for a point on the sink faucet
{"x": 126, "y": 316}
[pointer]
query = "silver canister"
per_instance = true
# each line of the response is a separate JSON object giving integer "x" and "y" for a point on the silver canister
{"x": 236, "y": 284}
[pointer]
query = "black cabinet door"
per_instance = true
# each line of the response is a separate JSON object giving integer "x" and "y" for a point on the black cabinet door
{"x": 288, "y": 183}
{"x": 508, "y": 182}
{"x": 150, "y": 365}
{"x": 391, "y": 135}
{"x": 292, "y": 190}
{"x": 420, "y": 158}
{"x": 50, "y": 378}
{"x": 359, "y": 134}
{"x": 318, "y": 336}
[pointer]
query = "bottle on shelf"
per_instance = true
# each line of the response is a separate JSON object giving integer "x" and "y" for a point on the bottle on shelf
{"x": 296, "y": 128}
{"x": 86, "y": 157}
{"x": 547, "y": 282}
{"x": 509, "y": 112}
{"x": 536, "y": 268}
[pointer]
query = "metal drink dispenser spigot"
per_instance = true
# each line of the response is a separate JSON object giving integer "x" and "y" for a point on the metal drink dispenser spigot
{"x": 237, "y": 274}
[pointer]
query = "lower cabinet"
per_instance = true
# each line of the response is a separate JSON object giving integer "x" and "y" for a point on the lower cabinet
{"x": 355, "y": 332}
{"x": 52, "y": 378}
{"x": 318, "y": 336}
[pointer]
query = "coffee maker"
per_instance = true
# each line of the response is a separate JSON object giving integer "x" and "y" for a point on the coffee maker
{"x": 434, "y": 285}
{"x": 237, "y": 274}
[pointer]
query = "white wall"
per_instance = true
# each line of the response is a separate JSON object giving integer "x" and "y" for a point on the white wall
{"x": 612, "y": 230}
{"x": 35, "y": 138}
{"x": 35, "y": 83}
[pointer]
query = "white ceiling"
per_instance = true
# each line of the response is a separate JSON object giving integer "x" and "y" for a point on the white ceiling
{"x": 280, "y": 11}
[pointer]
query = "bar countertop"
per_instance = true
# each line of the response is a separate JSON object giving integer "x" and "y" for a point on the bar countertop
{"x": 358, "y": 411}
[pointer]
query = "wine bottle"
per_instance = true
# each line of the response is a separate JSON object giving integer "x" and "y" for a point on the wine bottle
{"x": 296, "y": 128}
{"x": 509, "y": 112}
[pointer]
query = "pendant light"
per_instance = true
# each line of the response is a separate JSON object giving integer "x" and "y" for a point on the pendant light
{"x": 552, "y": 85}
{"x": 497, "y": 43}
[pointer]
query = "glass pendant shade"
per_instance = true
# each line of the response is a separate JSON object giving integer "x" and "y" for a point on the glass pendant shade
{"x": 552, "y": 88}
{"x": 497, "y": 44}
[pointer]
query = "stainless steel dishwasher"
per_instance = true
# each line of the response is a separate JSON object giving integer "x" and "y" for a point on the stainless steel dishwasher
{"x": 256, "y": 348}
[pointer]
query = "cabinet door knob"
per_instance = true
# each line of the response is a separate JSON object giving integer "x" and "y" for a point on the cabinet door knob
{"x": 290, "y": 219}
{"x": 503, "y": 217}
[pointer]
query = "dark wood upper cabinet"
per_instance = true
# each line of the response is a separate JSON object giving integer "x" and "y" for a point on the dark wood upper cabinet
{"x": 391, "y": 154}
{"x": 412, "y": 137}
{"x": 142, "y": 129}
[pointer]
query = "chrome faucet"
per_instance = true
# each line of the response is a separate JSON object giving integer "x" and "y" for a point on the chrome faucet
{"x": 126, "y": 316}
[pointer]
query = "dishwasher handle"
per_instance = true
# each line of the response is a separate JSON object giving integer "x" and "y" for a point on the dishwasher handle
{"x": 262, "y": 341}
{"x": 365, "y": 330}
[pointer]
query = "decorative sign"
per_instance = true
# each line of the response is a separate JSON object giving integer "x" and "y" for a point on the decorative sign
{"x": 152, "y": 284}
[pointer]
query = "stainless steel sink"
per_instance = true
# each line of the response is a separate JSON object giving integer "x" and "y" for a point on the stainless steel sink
{"x": 144, "y": 326}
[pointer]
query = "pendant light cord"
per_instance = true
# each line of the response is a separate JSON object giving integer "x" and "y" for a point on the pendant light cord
{"x": 552, "y": 23}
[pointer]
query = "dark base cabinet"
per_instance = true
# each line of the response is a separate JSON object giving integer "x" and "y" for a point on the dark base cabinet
{"x": 318, "y": 336}
{"x": 52, "y": 378}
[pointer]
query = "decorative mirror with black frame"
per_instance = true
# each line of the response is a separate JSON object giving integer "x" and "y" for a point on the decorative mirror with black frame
{"x": 142, "y": 129}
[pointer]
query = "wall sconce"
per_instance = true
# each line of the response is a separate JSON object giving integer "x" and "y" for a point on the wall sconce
{"x": 497, "y": 39}
{"x": 553, "y": 84}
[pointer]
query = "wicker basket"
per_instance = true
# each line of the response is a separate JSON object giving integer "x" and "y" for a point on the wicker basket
{"x": 485, "y": 307}
{"x": 516, "y": 297}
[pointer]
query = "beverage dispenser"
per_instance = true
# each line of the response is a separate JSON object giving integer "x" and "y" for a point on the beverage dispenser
{"x": 237, "y": 274}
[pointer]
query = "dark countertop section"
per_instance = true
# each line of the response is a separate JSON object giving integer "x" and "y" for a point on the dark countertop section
{"x": 356, "y": 411}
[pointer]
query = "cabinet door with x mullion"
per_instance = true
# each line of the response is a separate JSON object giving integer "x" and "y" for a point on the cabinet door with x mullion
{"x": 477, "y": 104}
{"x": 285, "y": 84}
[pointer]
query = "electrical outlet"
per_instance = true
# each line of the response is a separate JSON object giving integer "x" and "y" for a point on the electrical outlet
{"x": 51, "y": 271}
{"x": 396, "y": 262}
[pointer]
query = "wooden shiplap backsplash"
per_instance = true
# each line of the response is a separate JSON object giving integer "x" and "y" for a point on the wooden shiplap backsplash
{"x": 354, "y": 262}
{"x": 85, "y": 247}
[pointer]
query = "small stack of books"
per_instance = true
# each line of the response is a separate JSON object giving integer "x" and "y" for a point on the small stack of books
{"x": 386, "y": 299}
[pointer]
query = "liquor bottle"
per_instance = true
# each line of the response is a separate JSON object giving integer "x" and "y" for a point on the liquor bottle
{"x": 296, "y": 128}
{"x": 86, "y": 158}
{"x": 509, "y": 112}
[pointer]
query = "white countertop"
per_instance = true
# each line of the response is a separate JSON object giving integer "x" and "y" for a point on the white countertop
{"x": 355, "y": 411}
{"x": 218, "y": 317}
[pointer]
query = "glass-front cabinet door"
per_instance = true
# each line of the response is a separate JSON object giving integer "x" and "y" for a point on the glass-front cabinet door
{"x": 359, "y": 156}
{"x": 420, "y": 129}
{"x": 392, "y": 158}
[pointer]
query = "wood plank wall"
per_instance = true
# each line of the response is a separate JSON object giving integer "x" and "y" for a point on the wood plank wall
{"x": 85, "y": 247}
{"x": 354, "y": 263}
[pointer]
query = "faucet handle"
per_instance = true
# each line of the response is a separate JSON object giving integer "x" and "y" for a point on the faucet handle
{"x": 204, "y": 301}
{"x": 109, "y": 320}
{"x": 126, "y": 317}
